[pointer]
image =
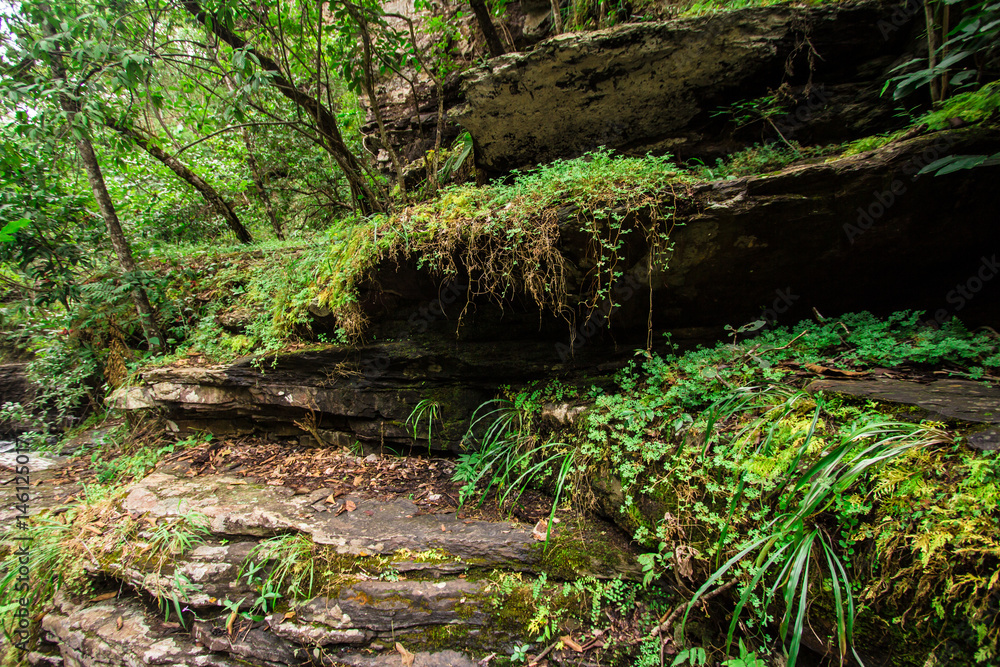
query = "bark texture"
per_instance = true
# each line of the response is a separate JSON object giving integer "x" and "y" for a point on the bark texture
{"x": 183, "y": 172}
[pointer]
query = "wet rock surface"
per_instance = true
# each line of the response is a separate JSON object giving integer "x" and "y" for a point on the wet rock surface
{"x": 961, "y": 400}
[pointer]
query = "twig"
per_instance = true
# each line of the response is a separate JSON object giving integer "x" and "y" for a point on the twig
{"x": 788, "y": 344}
{"x": 538, "y": 658}
{"x": 664, "y": 627}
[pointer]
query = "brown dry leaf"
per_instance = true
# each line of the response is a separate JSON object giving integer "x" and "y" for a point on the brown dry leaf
{"x": 332, "y": 498}
{"x": 105, "y": 596}
{"x": 289, "y": 614}
{"x": 238, "y": 481}
{"x": 350, "y": 506}
{"x": 119, "y": 622}
{"x": 541, "y": 528}
{"x": 824, "y": 370}
{"x": 443, "y": 529}
{"x": 229, "y": 623}
{"x": 568, "y": 641}
{"x": 405, "y": 655}
{"x": 358, "y": 480}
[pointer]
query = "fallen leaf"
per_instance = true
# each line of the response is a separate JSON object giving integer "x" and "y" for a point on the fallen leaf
{"x": 105, "y": 596}
{"x": 443, "y": 529}
{"x": 404, "y": 655}
{"x": 823, "y": 370}
{"x": 568, "y": 641}
{"x": 237, "y": 481}
{"x": 332, "y": 498}
{"x": 541, "y": 529}
{"x": 289, "y": 614}
{"x": 358, "y": 480}
{"x": 229, "y": 623}
{"x": 119, "y": 622}
{"x": 350, "y": 506}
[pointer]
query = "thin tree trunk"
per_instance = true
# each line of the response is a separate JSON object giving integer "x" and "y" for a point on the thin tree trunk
{"x": 147, "y": 316}
{"x": 493, "y": 42}
{"x": 945, "y": 20}
{"x": 258, "y": 182}
{"x": 364, "y": 196}
{"x": 557, "y": 24}
{"x": 932, "y": 47}
{"x": 369, "y": 81}
{"x": 255, "y": 172}
{"x": 432, "y": 177}
{"x": 220, "y": 205}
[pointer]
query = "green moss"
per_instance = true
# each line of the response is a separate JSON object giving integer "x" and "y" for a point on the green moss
{"x": 971, "y": 107}
{"x": 868, "y": 144}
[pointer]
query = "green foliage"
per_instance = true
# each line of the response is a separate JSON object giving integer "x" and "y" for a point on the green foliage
{"x": 757, "y": 159}
{"x": 426, "y": 410}
{"x": 788, "y": 494}
{"x": 960, "y": 54}
{"x": 508, "y": 458}
{"x": 790, "y": 542}
{"x": 117, "y": 469}
{"x": 746, "y": 658}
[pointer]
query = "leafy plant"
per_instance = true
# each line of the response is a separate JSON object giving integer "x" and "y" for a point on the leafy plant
{"x": 427, "y": 411}
{"x": 290, "y": 561}
{"x": 509, "y": 459}
{"x": 791, "y": 545}
{"x": 746, "y": 658}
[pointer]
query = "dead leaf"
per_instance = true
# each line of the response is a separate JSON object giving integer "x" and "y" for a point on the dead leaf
{"x": 358, "y": 480}
{"x": 332, "y": 498}
{"x": 119, "y": 622}
{"x": 541, "y": 528}
{"x": 404, "y": 655}
{"x": 289, "y": 614}
{"x": 237, "y": 481}
{"x": 443, "y": 529}
{"x": 350, "y": 506}
{"x": 823, "y": 370}
{"x": 229, "y": 623}
{"x": 568, "y": 641}
{"x": 105, "y": 596}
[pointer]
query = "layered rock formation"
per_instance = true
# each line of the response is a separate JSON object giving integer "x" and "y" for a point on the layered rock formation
{"x": 836, "y": 236}
{"x": 658, "y": 86}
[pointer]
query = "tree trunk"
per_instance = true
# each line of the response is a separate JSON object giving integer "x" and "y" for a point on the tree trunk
{"x": 364, "y": 196}
{"x": 557, "y": 24}
{"x": 147, "y": 316}
{"x": 493, "y": 42}
{"x": 369, "y": 79}
{"x": 220, "y": 205}
{"x": 255, "y": 172}
{"x": 258, "y": 182}
{"x": 932, "y": 48}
